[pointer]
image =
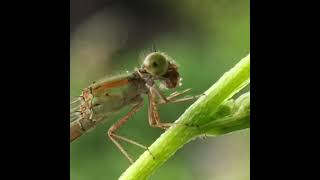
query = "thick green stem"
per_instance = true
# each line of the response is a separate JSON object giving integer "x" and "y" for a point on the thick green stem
{"x": 212, "y": 114}
{"x": 231, "y": 116}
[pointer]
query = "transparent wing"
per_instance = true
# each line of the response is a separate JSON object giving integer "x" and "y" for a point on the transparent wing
{"x": 75, "y": 103}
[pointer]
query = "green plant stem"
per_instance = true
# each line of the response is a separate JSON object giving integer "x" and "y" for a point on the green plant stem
{"x": 235, "y": 115}
{"x": 212, "y": 114}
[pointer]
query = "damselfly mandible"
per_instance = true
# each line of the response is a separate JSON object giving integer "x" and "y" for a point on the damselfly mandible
{"x": 106, "y": 97}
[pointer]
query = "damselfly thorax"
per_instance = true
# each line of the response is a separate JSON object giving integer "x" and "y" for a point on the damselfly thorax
{"x": 105, "y": 98}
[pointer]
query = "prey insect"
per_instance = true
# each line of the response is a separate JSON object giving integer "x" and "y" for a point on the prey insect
{"x": 106, "y": 97}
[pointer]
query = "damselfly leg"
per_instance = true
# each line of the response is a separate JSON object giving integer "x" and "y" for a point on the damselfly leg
{"x": 114, "y": 137}
{"x": 172, "y": 97}
{"x": 153, "y": 115}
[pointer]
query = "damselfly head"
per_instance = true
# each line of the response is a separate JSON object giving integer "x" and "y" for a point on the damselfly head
{"x": 161, "y": 67}
{"x": 156, "y": 64}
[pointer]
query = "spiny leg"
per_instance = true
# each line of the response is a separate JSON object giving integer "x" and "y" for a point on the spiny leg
{"x": 133, "y": 142}
{"x": 153, "y": 115}
{"x": 192, "y": 98}
{"x": 154, "y": 119}
{"x": 171, "y": 97}
{"x": 177, "y": 93}
{"x": 114, "y": 137}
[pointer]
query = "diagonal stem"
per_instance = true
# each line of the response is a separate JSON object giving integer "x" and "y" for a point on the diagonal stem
{"x": 202, "y": 113}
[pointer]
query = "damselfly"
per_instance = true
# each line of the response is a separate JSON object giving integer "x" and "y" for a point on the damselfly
{"x": 106, "y": 97}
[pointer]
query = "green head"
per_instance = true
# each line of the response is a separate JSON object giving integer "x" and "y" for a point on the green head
{"x": 161, "y": 66}
{"x": 156, "y": 64}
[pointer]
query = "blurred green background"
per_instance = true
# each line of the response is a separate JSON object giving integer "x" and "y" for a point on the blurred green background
{"x": 206, "y": 38}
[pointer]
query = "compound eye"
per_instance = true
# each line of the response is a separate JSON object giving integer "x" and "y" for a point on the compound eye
{"x": 156, "y": 64}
